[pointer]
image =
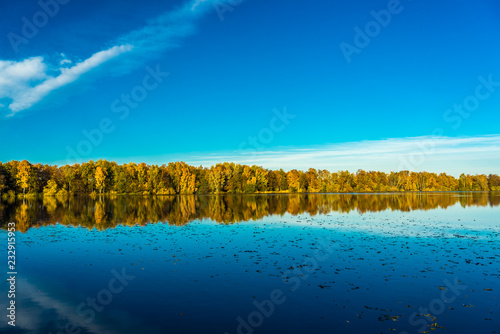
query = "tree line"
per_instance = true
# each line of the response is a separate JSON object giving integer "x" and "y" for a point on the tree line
{"x": 105, "y": 177}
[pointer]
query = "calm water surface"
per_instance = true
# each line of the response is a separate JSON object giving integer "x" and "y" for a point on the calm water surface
{"x": 404, "y": 263}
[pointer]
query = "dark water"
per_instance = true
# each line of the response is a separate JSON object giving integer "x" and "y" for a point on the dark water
{"x": 404, "y": 263}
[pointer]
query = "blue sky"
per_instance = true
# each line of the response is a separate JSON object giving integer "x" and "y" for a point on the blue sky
{"x": 427, "y": 79}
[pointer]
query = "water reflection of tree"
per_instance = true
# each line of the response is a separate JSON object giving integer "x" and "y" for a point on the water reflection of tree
{"x": 108, "y": 212}
{"x": 23, "y": 217}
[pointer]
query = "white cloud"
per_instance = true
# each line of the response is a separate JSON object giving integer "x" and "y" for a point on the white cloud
{"x": 19, "y": 76}
{"x": 479, "y": 154}
{"x": 64, "y": 60}
{"x": 24, "y": 96}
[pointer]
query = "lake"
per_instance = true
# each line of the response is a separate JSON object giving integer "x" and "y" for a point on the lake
{"x": 296, "y": 263}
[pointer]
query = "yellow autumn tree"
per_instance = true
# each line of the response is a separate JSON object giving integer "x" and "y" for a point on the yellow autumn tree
{"x": 217, "y": 178}
{"x": 100, "y": 178}
{"x": 293, "y": 178}
{"x": 23, "y": 175}
{"x": 187, "y": 181}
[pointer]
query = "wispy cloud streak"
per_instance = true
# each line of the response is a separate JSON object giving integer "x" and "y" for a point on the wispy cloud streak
{"x": 164, "y": 31}
{"x": 452, "y": 155}
{"x": 479, "y": 154}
